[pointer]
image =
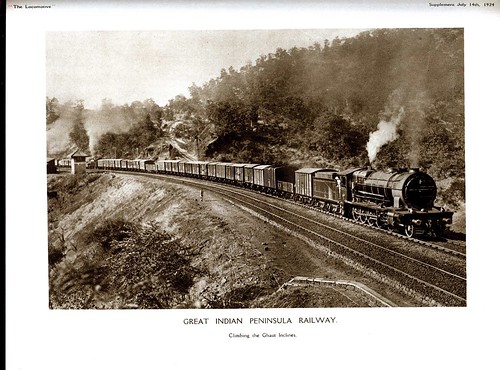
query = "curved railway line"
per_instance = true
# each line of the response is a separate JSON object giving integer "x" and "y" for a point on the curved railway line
{"x": 407, "y": 267}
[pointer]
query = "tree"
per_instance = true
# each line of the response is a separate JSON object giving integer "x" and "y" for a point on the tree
{"x": 52, "y": 110}
{"x": 337, "y": 137}
{"x": 78, "y": 134}
{"x": 231, "y": 117}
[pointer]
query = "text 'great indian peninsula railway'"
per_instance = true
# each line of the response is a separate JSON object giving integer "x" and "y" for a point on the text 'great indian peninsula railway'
{"x": 254, "y": 321}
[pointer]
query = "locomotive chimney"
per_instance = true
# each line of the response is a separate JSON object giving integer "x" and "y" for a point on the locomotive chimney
{"x": 414, "y": 169}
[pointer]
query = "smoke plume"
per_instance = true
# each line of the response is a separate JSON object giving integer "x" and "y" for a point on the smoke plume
{"x": 387, "y": 131}
{"x": 94, "y": 123}
{"x": 416, "y": 126}
{"x": 58, "y": 141}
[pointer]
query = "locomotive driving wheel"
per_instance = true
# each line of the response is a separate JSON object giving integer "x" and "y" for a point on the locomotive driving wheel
{"x": 355, "y": 214}
{"x": 410, "y": 231}
{"x": 373, "y": 220}
{"x": 363, "y": 217}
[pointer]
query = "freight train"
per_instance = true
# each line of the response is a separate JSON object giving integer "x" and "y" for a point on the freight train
{"x": 398, "y": 199}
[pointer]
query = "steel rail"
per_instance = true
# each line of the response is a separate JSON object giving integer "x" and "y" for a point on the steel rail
{"x": 223, "y": 190}
{"x": 411, "y": 259}
{"x": 353, "y": 251}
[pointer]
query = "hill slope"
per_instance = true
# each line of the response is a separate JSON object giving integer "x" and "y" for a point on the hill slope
{"x": 123, "y": 241}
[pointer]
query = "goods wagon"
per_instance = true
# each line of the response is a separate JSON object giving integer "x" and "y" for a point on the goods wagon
{"x": 212, "y": 170}
{"x": 260, "y": 177}
{"x": 285, "y": 180}
{"x": 123, "y": 164}
{"x": 181, "y": 167}
{"x": 174, "y": 166}
{"x": 161, "y": 166}
{"x": 220, "y": 171}
{"x": 199, "y": 169}
{"x": 239, "y": 173}
{"x": 304, "y": 182}
{"x": 230, "y": 172}
{"x": 248, "y": 170}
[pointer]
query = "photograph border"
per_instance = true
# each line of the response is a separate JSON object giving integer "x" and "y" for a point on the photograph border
{"x": 39, "y": 338}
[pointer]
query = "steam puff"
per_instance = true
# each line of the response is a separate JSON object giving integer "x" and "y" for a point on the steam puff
{"x": 386, "y": 132}
{"x": 58, "y": 136}
{"x": 96, "y": 123}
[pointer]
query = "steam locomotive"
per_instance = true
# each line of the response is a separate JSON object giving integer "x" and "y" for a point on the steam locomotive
{"x": 398, "y": 199}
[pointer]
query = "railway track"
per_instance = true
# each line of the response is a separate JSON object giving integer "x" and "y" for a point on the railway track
{"x": 451, "y": 247}
{"x": 426, "y": 279}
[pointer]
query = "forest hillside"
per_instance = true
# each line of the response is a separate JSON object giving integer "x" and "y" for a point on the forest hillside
{"x": 385, "y": 98}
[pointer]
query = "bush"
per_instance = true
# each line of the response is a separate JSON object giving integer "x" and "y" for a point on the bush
{"x": 55, "y": 256}
{"x": 153, "y": 269}
{"x": 455, "y": 194}
{"x": 133, "y": 267}
{"x": 112, "y": 230}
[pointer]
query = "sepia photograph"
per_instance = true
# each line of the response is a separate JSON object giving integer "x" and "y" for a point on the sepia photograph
{"x": 256, "y": 169}
{"x": 251, "y": 184}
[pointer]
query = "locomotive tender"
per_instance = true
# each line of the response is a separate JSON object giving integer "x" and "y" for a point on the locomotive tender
{"x": 398, "y": 199}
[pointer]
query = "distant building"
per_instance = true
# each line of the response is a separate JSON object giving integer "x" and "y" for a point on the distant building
{"x": 51, "y": 165}
{"x": 78, "y": 162}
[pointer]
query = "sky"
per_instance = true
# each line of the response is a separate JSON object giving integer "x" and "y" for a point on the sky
{"x": 125, "y": 66}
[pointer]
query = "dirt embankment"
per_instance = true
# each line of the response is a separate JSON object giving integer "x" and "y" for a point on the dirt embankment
{"x": 124, "y": 241}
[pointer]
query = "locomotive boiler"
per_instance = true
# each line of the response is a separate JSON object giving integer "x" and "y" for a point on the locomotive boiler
{"x": 399, "y": 198}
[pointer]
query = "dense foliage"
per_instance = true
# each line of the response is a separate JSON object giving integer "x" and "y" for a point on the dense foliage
{"x": 130, "y": 266}
{"x": 319, "y": 105}
{"x": 324, "y": 101}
